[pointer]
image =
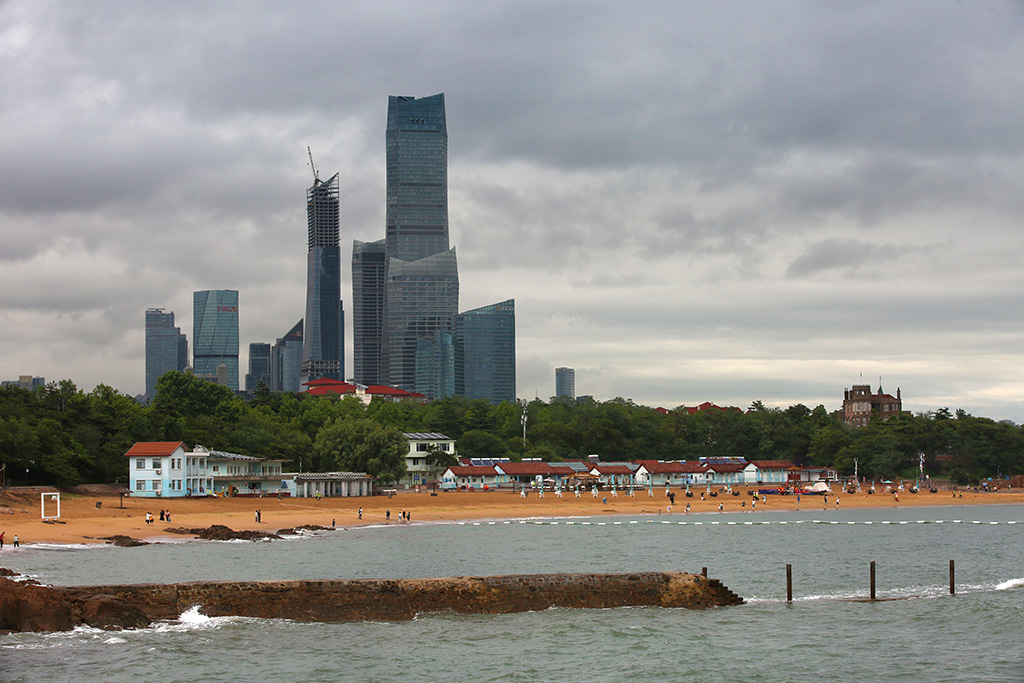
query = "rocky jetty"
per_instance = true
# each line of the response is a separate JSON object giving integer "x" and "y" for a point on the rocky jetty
{"x": 219, "y": 532}
{"x": 41, "y": 608}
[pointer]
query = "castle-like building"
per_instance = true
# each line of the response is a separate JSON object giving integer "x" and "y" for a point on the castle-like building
{"x": 860, "y": 405}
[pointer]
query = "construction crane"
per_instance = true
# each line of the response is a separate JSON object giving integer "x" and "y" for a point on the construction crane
{"x": 316, "y": 174}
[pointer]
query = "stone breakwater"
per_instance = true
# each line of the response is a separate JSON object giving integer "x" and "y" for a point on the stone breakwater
{"x": 44, "y": 608}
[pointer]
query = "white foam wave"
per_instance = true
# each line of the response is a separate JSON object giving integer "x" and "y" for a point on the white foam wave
{"x": 1012, "y": 583}
{"x": 65, "y": 546}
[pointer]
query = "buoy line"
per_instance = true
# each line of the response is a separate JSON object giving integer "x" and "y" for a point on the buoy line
{"x": 740, "y": 523}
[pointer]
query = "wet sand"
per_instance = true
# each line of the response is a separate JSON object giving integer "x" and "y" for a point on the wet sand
{"x": 82, "y": 522}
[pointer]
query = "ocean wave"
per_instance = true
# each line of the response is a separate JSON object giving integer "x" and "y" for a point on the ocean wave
{"x": 1012, "y": 583}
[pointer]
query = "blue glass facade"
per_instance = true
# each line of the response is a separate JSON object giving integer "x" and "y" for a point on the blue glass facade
{"x": 565, "y": 383}
{"x": 322, "y": 350}
{"x": 286, "y": 361}
{"x": 368, "y": 267}
{"x": 421, "y": 286}
{"x": 259, "y": 366}
{"x": 166, "y": 347}
{"x": 485, "y": 355}
{"x": 215, "y": 333}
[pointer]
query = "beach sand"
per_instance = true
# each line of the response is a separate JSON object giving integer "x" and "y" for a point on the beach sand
{"x": 82, "y": 521}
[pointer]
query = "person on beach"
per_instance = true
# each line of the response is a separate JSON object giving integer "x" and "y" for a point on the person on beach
{"x": 387, "y": 515}
{"x": 1, "y": 540}
{"x": 687, "y": 507}
{"x": 408, "y": 517}
{"x": 149, "y": 518}
{"x": 168, "y": 517}
{"x": 360, "y": 513}
{"x": 837, "y": 501}
{"x": 17, "y": 543}
{"x": 720, "y": 507}
{"x": 161, "y": 515}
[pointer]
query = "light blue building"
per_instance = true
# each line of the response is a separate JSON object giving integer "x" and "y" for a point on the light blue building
{"x": 163, "y": 469}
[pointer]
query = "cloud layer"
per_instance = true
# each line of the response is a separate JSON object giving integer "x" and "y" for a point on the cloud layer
{"x": 723, "y": 201}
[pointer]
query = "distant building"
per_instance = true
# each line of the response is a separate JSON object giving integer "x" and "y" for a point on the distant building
{"x": 323, "y": 337}
{"x": 215, "y": 333}
{"x": 565, "y": 383}
{"x": 166, "y": 347}
{"x": 421, "y": 287}
{"x": 25, "y": 382}
{"x": 369, "y": 263}
{"x": 861, "y": 406}
{"x": 485, "y": 352}
{"x": 259, "y": 366}
{"x": 286, "y": 361}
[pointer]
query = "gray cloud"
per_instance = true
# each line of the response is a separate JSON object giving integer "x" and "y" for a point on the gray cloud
{"x": 725, "y": 201}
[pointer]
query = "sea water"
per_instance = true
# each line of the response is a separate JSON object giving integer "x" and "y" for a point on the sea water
{"x": 824, "y": 634}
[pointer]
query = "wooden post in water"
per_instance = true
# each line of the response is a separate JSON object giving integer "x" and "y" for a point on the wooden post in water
{"x": 704, "y": 572}
{"x": 872, "y": 579}
{"x": 952, "y": 578}
{"x": 789, "y": 583}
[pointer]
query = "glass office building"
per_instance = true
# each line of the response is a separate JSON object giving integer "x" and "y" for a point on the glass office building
{"x": 421, "y": 286}
{"x": 322, "y": 350}
{"x": 565, "y": 383}
{"x": 422, "y": 296}
{"x": 166, "y": 347}
{"x": 259, "y": 366}
{"x": 485, "y": 352}
{"x": 416, "y": 220}
{"x": 368, "y": 266}
{"x": 286, "y": 361}
{"x": 215, "y": 333}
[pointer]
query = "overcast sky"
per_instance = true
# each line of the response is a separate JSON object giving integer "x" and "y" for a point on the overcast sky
{"x": 724, "y": 201}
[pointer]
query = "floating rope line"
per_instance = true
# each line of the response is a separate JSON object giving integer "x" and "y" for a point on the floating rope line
{"x": 738, "y": 523}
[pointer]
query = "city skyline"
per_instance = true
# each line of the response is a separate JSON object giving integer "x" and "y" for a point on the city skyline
{"x": 716, "y": 205}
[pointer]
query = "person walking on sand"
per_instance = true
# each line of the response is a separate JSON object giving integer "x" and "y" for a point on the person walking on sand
{"x": 360, "y": 513}
{"x": 387, "y": 515}
{"x": 719, "y": 506}
{"x": 149, "y": 518}
{"x": 1, "y": 540}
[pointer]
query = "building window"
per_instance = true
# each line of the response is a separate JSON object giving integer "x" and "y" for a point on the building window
{"x": 157, "y": 485}
{"x": 140, "y": 484}
{"x": 156, "y": 464}
{"x": 140, "y": 463}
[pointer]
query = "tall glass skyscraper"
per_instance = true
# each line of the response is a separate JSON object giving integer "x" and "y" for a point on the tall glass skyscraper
{"x": 485, "y": 352}
{"x": 368, "y": 266}
{"x": 421, "y": 286}
{"x": 215, "y": 333}
{"x": 166, "y": 347}
{"x": 322, "y": 348}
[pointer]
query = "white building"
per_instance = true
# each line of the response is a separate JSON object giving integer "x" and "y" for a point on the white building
{"x": 421, "y": 444}
{"x": 165, "y": 469}
{"x": 327, "y": 484}
{"x": 244, "y": 475}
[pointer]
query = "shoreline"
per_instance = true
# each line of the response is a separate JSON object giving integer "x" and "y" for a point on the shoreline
{"x": 86, "y": 519}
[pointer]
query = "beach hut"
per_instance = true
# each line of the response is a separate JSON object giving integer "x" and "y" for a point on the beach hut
{"x": 469, "y": 476}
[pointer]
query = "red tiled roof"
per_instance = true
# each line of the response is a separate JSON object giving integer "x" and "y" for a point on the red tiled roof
{"x": 151, "y": 448}
{"x": 334, "y": 388}
{"x": 773, "y": 464}
{"x": 612, "y": 469}
{"x": 723, "y": 468}
{"x": 524, "y": 468}
{"x": 657, "y": 467}
{"x": 473, "y": 471}
{"x": 564, "y": 470}
{"x": 708, "y": 405}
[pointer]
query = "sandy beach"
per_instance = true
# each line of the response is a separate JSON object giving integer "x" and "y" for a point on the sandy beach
{"x": 83, "y": 521}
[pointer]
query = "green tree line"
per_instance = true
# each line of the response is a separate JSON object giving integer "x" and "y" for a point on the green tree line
{"x": 61, "y": 435}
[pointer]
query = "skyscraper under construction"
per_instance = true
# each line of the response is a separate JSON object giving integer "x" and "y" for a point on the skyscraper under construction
{"x": 323, "y": 334}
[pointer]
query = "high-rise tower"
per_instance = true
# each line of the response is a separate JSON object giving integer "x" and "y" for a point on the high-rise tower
{"x": 485, "y": 352}
{"x": 368, "y": 265}
{"x": 166, "y": 347}
{"x": 215, "y": 333}
{"x": 322, "y": 342}
{"x": 421, "y": 285}
{"x": 565, "y": 383}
